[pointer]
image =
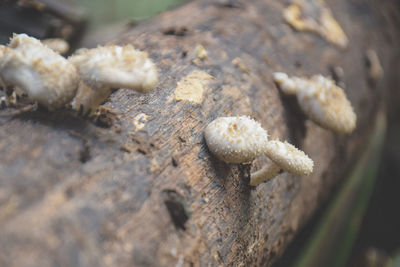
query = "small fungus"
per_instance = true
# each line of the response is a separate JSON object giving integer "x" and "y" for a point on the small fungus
{"x": 192, "y": 87}
{"x": 200, "y": 52}
{"x": 108, "y": 67}
{"x": 242, "y": 139}
{"x": 140, "y": 121}
{"x": 57, "y": 45}
{"x": 237, "y": 62}
{"x": 45, "y": 76}
{"x": 375, "y": 70}
{"x": 314, "y": 16}
{"x": 322, "y": 100}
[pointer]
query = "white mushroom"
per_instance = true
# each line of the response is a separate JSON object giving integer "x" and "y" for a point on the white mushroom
{"x": 322, "y": 100}
{"x": 266, "y": 173}
{"x": 45, "y": 76}
{"x": 104, "y": 68}
{"x": 284, "y": 156}
{"x": 88, "y": 99}
{"x": 289, "y": 158}
{"x": 3, "y": 50}
{"x": 242, "y": 139}
{"x": 58, "y": 45}
{"x": 236, "y": 139}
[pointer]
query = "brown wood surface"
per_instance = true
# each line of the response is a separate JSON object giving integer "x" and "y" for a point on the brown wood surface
{"x": 75, "y": 194}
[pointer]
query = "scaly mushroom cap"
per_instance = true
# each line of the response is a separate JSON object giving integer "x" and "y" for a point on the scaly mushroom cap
{"x": 236, "y": 139}
{"x": 289, "y": 158}
{"x": 116, "y": 67}
{"x": 322, "y": 100}
{"x": 327, "y": 105}
{"x": 45, "y": 76}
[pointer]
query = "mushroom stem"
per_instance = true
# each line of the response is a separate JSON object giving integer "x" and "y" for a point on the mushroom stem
{"x": 264, "y": 174}
{"x": 88, "y": 99}
{"x": 288, "y": 86}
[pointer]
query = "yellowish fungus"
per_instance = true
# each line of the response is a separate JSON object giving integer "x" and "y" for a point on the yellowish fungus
{"x": 375, "y": 70}
{"x": 140, "y": 121}
{"x": 314, "y": 16}
{"x": 57, "y": 45}
{"x": 237, "y": 62}
{"x": 200, "y": 52}
{"x": 322, "y": 100}
{"x": 192, "y": 87}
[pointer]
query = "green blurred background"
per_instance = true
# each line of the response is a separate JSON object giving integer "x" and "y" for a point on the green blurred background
{"x": 102, "y": 12}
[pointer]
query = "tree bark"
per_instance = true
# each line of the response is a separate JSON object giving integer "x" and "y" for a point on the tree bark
{"x": 146, "y": 191}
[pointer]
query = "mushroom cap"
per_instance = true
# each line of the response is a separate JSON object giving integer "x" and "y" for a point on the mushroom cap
{"x": 289, "y": 86}
{"x": 116, "y": 66}
{"x": 326, "y": 104}
{"x": 236, "y": 139}
{"x": 321, "y": 99}
{"x": 58, "y": 45}
{"x": 289, "y": 158}
{"x": 45, "y": 76}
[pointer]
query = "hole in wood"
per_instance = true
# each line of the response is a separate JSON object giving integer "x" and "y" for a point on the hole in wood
{"x": 84, "y": 153}
{"x": 177, "y": 31}
{"x": 176, "y": 208}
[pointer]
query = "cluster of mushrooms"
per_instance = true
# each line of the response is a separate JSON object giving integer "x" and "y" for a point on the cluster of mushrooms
{"x": 84, "y": 80}
{"x": 242, "y": 139}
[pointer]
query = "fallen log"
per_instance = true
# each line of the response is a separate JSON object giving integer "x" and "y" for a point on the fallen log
{"x": 145, "y": 191}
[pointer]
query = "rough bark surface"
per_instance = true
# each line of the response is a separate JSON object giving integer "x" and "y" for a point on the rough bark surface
{"x": 147, "y": 192}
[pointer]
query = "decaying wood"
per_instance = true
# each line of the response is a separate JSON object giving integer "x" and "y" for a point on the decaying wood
{"x": 146, "y": 191}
